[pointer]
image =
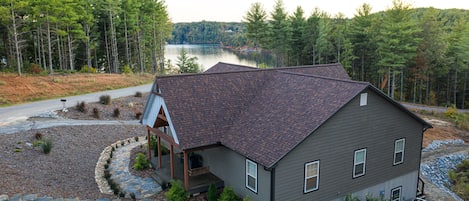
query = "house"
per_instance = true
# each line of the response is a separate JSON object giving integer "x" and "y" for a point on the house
{"x": 294, "y": 133}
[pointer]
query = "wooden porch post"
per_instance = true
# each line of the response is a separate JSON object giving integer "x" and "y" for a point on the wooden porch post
{"x": 149, "y": 144}
{"x": 186, "y": 171}
{"x": 159, "y": 152}
{"x": 171, "y": 160}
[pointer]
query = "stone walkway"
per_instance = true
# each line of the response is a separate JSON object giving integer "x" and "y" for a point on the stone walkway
{"x": 119, "y": 169}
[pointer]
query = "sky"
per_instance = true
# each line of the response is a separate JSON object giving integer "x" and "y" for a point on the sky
{"x": 234, "y": 10}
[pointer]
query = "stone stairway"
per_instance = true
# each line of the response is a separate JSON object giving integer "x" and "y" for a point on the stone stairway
{"x": 35, "y": 197}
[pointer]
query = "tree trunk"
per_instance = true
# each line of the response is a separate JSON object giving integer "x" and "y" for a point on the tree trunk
{"x": 455, "y": 89}
{"x": 70, "y": 51}
{"x": 43, "y": 51}
{"x": 106, "y": 42}
{"x": 49, "y": 44}
{"x": 127, "y": 54}
{"x": 88, "y": 46}
{"x": 401, "y": 86}
{"x": 15, "y": 38}
{"x": 59, "y": 50}
{"x": 464, "y": 91}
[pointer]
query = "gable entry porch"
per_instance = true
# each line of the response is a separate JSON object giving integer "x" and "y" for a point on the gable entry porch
{"x": 185, "y": 165}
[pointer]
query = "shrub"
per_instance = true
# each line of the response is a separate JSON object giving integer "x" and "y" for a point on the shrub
{"x": 110, "y": 155}
{"x": 81, "y": 106}
{"x": 117, "y": 112}
{"x": 87, "y": 69}
{"x": 46, "y": 145}
{"x": 105, "y": 99}
{"x": 132, "y": 196}
{"x": 107, "y": 174}
{"x": 122, "y": 143}
{"x": 38, "y": 136}
{"x": 35, "y": 69}
{"x": 122, "y": 194}
{"x": 228, "y": 194}
{"x": 96, "y": 113}
{"x": 141, "y": 162}
{"x": 138, "y": 115}
{"x": 212, "y": 192}
{"x": 136, "y": 138}
{"x": 176, "y": 192}
{"x": 106, "y": 166}
{"x": 126, "y": 70}
{"x": 36, "y": 143}
{"x": 138, "y": 94}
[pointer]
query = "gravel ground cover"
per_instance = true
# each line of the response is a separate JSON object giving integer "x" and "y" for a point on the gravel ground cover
{"x": 68, "y": 170}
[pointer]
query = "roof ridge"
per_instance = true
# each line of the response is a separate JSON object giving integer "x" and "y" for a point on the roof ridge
{"x": 324, "y": 77}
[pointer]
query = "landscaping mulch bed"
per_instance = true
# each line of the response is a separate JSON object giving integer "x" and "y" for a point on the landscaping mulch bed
{"x": 128, "y": 108}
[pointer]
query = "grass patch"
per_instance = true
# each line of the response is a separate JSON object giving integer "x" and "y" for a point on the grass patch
{"x": 16, "y": 90}
{"x": 460, "y": 178}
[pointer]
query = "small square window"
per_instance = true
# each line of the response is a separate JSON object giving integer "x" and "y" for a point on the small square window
{"x": 363, "y": 99}
{"x": 396, "y": 194}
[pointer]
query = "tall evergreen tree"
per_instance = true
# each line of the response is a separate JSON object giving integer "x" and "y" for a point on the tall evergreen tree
{"x": 297, "y": 43}
{"x": 279, "y": 33}
{"x": 255, "y": 21}
{"x": 397, "y": 43}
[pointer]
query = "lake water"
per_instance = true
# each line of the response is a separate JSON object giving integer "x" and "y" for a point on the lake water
{"x": 209, "y": 55}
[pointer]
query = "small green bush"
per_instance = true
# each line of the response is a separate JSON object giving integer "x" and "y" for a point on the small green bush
{"x": 105, "y": 99}
{"x": 228, "y": 194}
{"x": 117, "y": 112}
{"x": 136, "y": 138}
{"x": 212, "y": 192}
{"x": 176, "y": 192}
{"x": 141, "y": 162}
{"x": 46, "y": 145}
{"x": 126, "y": 70}
{"x": 87, "y": 69}
{"x": 37, "y": 143}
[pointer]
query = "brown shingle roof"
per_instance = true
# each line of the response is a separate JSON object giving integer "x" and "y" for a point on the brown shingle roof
{"x": 262, "y": 114}
{"x": 327, "y": 70}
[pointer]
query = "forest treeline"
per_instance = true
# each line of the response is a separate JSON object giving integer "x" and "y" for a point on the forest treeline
{"x": 72, "y": 35}
{"x": 206, "y": 32}
{"x": 416, "y": 55}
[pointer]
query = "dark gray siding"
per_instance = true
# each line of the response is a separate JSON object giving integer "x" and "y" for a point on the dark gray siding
{"x": 230, "y": 167}
{"x": 375, "y": 126}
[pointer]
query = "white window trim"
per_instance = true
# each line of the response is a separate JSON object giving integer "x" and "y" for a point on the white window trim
{"x": 306, "y": 177}
{"x": 398, "y": 151}
{"x": 400, "y": 193}
{"x": 355, "y": 163}
{"x": 363, "y": 99}
{"x": 248, "y": 174}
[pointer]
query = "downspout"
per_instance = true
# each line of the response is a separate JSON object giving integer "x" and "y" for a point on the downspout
{"x": 272, "y": 184}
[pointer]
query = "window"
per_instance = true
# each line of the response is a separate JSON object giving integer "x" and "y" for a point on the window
{"x": 396, "y": 194}
{"x": 399, "y": 151}
{"x": 251, "y": 175}
{"x": 311, "y": 176}
{"x": 359, "y": 163}
{"x": 363, "y": 99}
{"x": 399, "y": 146}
